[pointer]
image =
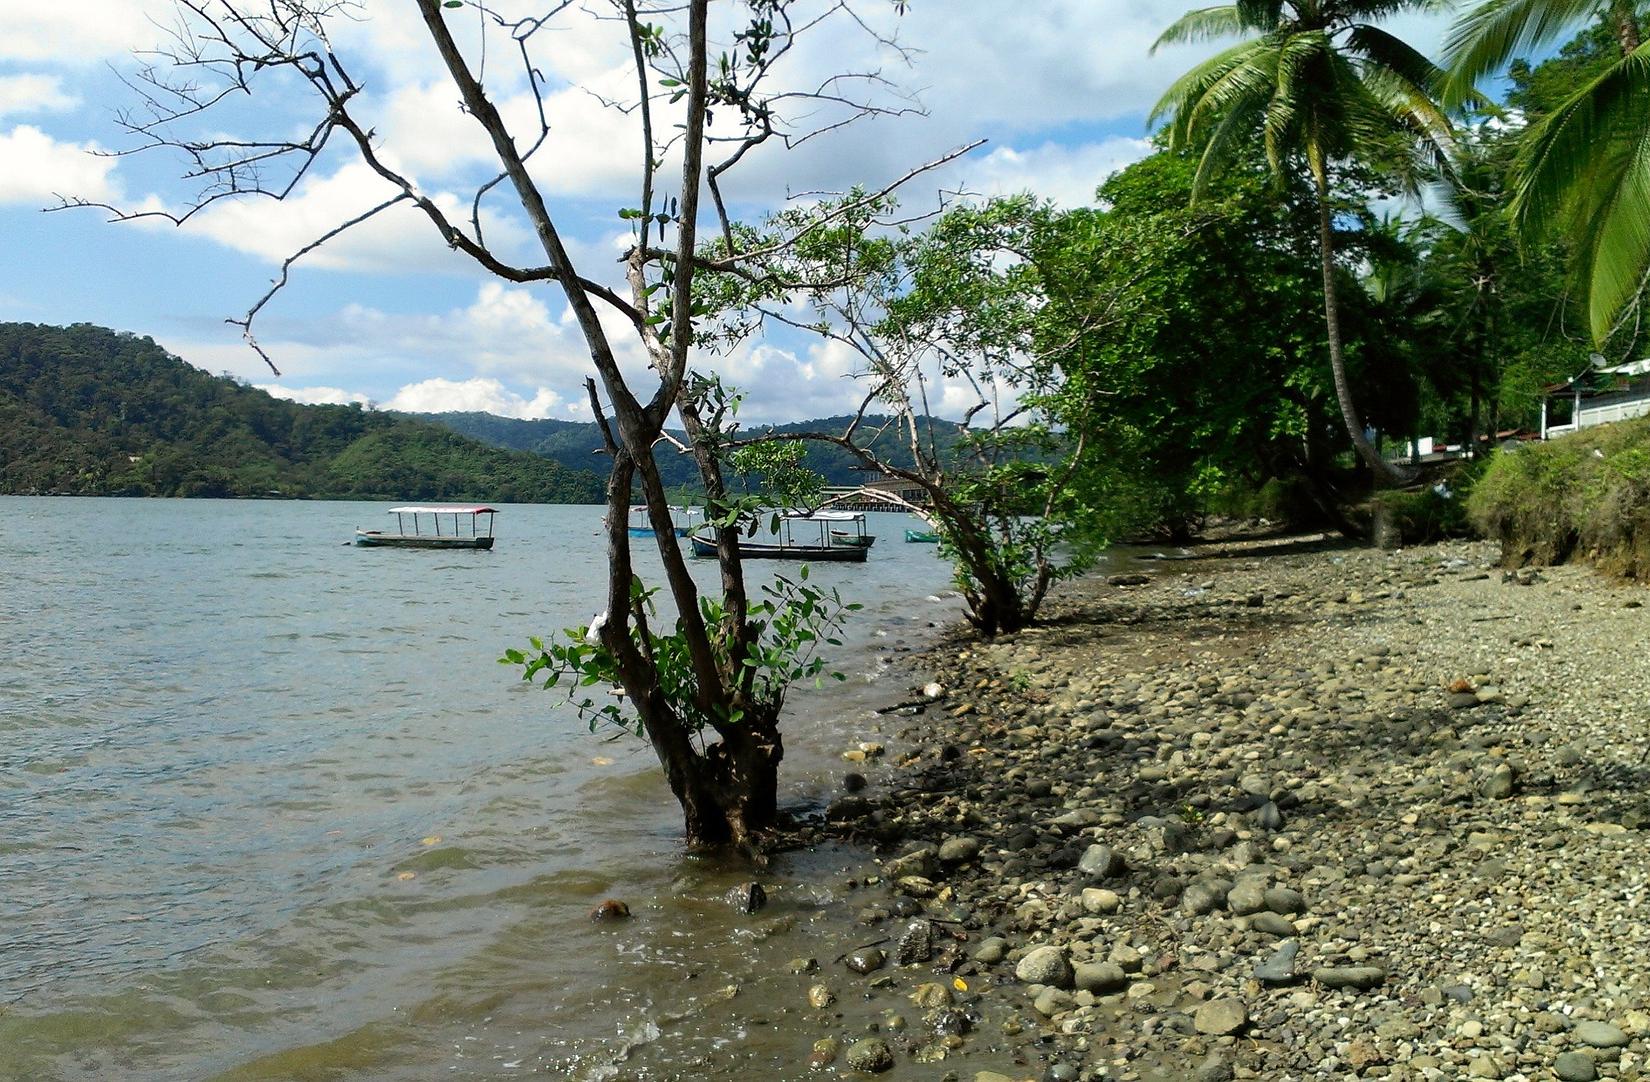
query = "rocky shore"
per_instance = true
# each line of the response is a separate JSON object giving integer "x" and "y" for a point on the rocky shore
{"x": 1287, "y": 810}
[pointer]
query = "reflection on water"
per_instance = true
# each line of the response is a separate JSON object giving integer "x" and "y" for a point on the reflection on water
{"x": 273, "y": 810}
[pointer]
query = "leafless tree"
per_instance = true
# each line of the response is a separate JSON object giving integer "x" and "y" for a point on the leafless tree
{"x": 707, "y": 94}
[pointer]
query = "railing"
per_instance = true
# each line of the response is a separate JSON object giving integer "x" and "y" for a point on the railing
{"x": 1619, "y": 411}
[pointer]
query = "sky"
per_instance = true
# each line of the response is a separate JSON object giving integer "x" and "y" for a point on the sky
{"x": 387, "y": 315}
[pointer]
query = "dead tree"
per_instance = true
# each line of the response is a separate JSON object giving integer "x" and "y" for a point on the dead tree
{"x": 707, "y": 94}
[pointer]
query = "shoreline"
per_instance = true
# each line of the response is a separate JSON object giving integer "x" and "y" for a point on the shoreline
{"x": 1290, "y": 809}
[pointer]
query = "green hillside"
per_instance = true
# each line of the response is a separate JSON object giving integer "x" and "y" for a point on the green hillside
{"x": 573, "y": 444}
{"x": 88, "y": 411}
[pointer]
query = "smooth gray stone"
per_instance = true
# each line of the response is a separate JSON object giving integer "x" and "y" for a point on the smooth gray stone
{"x": 1600, "y": 1034}
{"x": 1360, "y": 977}
{"x": 1279, "y": 966}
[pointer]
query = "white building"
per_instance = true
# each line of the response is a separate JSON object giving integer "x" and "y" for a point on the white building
{"x": 1599, "y": 396}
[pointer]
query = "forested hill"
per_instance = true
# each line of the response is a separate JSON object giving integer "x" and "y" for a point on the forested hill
{"x": 573, "y": 443}
{"x": 92, "y": 412}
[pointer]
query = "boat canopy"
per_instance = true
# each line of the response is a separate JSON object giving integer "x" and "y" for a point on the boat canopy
{"x": 444, "y": 509}
{"x": 826, "y": 516}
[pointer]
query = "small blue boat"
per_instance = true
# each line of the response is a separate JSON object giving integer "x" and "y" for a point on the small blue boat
{"x": 682, "y": 520}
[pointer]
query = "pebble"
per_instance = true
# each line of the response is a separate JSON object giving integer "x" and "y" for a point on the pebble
{"x": 1100, "y": 978}
{"x": 1219, "y": 1017}
{"x": 1045, "y": 965}
{"x": 1279, "y": 966}
{"x": 992, "y": 951}
{"x": 1175, "y": 798}
{"x": 866, "y": 960}
{"x": 1359, "y": 977}
{"x": 871, "y": 1055}
{"x": 1600, "y": 1034}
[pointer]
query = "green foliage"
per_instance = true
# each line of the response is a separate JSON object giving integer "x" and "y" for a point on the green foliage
{"x": 1424, "y": 515}
{"x": 1586, "y": 493}
{"x": 1185, "y": 383}
{"x": 792, "y": 622}
{"x": 1282, "y": 501}
{"x": 1539, "y": 90}
{"x": 1320, "y": 86}
{"x": 1583, "y": 166}
{"x": 89, "y": 411}
{"x": 776, "y": 472}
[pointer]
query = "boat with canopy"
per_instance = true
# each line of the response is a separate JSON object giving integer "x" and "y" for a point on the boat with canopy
{"x": 817, "y": 541}
{"x": 851, "y": 531}
{"x": 447, "y": 526}
{"x": 683, "y": 521}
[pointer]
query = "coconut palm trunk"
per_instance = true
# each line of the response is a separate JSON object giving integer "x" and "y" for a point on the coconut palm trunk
{"x": 1384, "y": 472}
{"x": 1626, "y": 23}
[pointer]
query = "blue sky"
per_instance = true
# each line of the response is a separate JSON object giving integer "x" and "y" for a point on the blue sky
{"x": 1060, "y": 88}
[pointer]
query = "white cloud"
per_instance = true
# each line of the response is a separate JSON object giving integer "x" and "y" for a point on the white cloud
{"x": 314, "y": 396}
{"x": 38, "y": 169}
{"x": 34, "y": 94}
{"x": 473, "y": 395}
{"x": 399, "y": 240}
{"x": 1066, "y": 174}
{"x": 80, "y": 32}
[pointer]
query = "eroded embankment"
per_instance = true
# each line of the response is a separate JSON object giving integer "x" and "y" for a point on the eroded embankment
{"x": 1583, "y": 496}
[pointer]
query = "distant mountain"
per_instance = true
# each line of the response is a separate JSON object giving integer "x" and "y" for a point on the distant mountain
{"x": 574, "y": 444}
{"x": 89, "y": 411}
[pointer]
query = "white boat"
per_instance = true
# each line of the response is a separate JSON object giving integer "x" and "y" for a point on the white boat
{"x": 429, "y": 534}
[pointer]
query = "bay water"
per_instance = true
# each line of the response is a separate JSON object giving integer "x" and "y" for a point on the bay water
{"x": 270, "y": 808}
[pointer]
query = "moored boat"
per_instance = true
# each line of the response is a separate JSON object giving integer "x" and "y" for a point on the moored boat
{"x": 922, "y": 537}
{"x": 682, "y": 521}
{"x": 786, "y": 547}
{"x": 453, "y": 537}
{"x": 852, "y": 532}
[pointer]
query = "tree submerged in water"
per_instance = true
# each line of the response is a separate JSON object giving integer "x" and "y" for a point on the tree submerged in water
{"x": 707, "y": 694}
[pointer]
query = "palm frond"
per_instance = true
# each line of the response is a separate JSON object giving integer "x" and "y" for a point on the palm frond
{"x": 1204, "y": 24}
{"x": 1411, "y": 110}
{"x": 1245, "y": 87}
{"x": 1217, "y": 152}
{"x": 1262, "y": 15}
{"x": 1181, "y": 99}
{"x": 1491, "y": 34}
{"x": 1383, "y": 50}
{"x": 1293, "y": 93}
{"x": 1618, "y": 240}
{"x": 1587, "y": 166}
{"x": 1563, "y": 151}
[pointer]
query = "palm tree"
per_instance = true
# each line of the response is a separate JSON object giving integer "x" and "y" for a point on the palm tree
{"x": 1322, "y": 86}
{"x": 1584, "y": 167}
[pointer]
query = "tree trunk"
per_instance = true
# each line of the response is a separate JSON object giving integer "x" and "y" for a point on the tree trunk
{"x": 730, "y": 793}
{"x": 995, "y": 606}
{"x": 1475, "y": 395}
{"x": 1384, "y": 473}
{"x": 1627, "y": 26}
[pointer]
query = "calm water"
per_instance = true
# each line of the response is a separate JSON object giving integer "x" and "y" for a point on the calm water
{"x": 226, "y": 738}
